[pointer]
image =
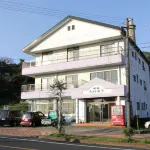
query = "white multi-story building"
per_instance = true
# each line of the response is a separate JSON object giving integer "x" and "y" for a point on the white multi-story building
{"x": 90, "y": 57}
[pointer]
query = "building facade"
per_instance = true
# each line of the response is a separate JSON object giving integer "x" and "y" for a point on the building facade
{"x": 91, "y": 58}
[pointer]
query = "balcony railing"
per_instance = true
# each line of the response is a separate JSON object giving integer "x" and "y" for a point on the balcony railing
{"x": 45, "y": 87}
{"x": 59, "y": 58}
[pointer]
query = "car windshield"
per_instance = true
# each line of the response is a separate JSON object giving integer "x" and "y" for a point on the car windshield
{"x": 3, "y": 113}
{"x": 27, "y": 115}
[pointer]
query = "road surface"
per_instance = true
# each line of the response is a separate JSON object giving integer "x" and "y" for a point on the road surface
{"x": 18, "y": 143}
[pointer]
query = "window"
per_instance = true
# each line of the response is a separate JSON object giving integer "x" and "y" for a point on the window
{"x": 142, "y": 106}
{"x": 145, "y": 87}
{"x": 139, "y": 61}
{"x": 68, "y": 107}
{"x": 140, "y": 82}
{"x": 138, "y": 105}
{"x": 69, "y": 28}
{"x": 134, "y": 78}
{"x": 114, "y": 76}
{"x": 100, "y": 75}
{"x": 106, "y": 50}
{"x": 73, "y": 27}
{"x": 93, "y": 75}
{"x": 137, "y": 78}
{"x": 107, "y": 75}
{"x": 110, "y": 76}
{"x": 72, "y": 81}
{"x": 73, "y": 54}
{"x": 143, "y": 67}
{"x": 135, "y": 56}
{"x": 132, "y": 54}
{"x": 46, "y": 57}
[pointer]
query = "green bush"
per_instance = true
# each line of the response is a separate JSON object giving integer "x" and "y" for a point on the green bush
{"x": 128, "y": 132}
{"x": 20, "y": 106}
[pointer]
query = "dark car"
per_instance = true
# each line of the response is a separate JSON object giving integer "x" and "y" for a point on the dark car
{"x": 31, "y": 119}
{"x": 41, "y": 115}
{"x": 10, "y": 117}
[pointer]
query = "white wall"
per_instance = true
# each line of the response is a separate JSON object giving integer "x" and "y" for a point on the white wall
{"x": 138, "y": 94}
{"x": 83, "y": 32}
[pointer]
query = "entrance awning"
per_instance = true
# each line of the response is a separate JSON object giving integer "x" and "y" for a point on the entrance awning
{"x": 98, "y": 88}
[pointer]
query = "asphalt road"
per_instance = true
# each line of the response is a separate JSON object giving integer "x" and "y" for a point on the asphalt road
{"x": 18, "y": 143}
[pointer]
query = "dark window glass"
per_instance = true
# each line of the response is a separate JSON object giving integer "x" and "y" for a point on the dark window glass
{"x": 135, "y": 56}
{"x": 139, "y": 61}
{"x": 132, "y": 54}
{"x": 140, "y": 82}
{"x": 138, "y": 106}
{"x": 73, "y": 27}
{"x": 137, "y": 78}
{"x": 134, "y": 78}
{"x": 68, "y": 28}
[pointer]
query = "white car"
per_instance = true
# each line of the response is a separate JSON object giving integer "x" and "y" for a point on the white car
{"x": 147, "y": 125}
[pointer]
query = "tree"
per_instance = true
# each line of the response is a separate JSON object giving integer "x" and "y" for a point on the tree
{"x": 11, "y": 81}
{"x": 147, "y": 55}
{"x": 57, "y": 89}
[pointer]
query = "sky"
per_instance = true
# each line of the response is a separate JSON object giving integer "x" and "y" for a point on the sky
{"x": 18, "y": 27}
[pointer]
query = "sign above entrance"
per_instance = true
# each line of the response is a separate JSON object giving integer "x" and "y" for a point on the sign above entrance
{"x": 97, "y": 90}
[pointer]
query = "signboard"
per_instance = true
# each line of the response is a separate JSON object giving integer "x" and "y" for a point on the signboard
{"x": 97, "y": 90}
{"x": 117, "y": 115}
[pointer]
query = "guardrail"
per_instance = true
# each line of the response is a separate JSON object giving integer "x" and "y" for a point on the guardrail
{"x": 77, "y": 56}
{"x": 45, "y": 87}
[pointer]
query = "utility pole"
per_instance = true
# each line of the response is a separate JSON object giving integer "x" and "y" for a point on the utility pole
{"x": 128, "y": 75}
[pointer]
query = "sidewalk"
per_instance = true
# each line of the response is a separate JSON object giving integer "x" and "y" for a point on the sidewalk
{"x": 80, "y": 131}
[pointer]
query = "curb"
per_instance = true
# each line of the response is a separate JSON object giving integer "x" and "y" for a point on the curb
{"x": 86, "y": 141}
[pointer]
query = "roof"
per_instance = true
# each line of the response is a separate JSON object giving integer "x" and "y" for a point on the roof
{"x": 61, "y": 23}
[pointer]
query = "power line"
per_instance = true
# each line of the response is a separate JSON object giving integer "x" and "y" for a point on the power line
{"x": 54, "y": 10}
{"x": 48, "y": 12}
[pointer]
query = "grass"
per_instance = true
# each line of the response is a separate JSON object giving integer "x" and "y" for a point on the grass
{"x": 103, "y": 139}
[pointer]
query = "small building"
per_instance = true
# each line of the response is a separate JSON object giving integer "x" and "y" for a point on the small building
{"x": 90, "y": 57}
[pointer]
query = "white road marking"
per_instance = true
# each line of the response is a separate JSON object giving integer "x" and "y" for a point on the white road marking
{"x": 69, "y": 144}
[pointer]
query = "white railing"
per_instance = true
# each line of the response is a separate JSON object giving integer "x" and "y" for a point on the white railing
{"x": 45, "y": 87}
{"x": 59, "y": 58}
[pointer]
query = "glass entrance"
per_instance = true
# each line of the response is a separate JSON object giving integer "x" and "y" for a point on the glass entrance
{"x": 99, "y": 110}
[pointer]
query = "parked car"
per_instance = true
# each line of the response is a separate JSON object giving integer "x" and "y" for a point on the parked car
{"x": 32, "y": 119}
{"x": 10, "y": 117}
{"x": 41, "y": 115}
{"x": 147, "y": 125}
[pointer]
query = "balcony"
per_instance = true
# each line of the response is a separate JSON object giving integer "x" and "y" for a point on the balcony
{"x": 87, "y": 59}
{"x": 31, "y": 91}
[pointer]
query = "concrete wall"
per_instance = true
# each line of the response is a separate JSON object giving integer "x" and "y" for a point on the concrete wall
{"x": 138, "y": 94}
{"x": 83, "y": 32}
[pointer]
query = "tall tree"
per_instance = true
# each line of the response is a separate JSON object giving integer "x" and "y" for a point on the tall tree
{"x": 57, "y": 89}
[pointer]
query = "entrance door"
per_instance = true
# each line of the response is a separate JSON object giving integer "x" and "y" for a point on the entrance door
{"x": 98, "y": 112}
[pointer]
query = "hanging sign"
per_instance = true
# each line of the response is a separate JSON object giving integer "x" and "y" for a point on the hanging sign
{"x": 97, "y": 90}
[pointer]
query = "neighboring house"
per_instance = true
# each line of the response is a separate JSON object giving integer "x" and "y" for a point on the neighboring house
{"x": 90, "y": 57}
